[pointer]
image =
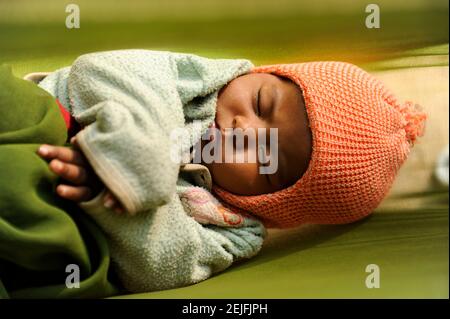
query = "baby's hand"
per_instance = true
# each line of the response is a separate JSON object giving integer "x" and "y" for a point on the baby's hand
{"x": 71, "y": 165}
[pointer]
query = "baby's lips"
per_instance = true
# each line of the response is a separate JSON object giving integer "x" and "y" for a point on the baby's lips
{"x": 211, "y": 132}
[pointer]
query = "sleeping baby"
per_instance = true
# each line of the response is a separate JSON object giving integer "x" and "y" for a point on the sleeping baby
{"x": 273, "y": 146}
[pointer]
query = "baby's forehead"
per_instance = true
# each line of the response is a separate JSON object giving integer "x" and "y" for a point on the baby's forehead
{"x": 260, "y": 76}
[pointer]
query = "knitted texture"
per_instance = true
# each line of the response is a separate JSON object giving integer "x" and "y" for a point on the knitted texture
{"x": 361, "y": 136}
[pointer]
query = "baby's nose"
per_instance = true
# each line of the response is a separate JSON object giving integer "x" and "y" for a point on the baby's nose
{"x": 241, "y": 122}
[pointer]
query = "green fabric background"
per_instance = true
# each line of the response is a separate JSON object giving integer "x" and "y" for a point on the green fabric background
{"x": 407, "y": 238}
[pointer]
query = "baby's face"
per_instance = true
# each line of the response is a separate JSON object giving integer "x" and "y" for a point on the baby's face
{"x": 256, "y": 101}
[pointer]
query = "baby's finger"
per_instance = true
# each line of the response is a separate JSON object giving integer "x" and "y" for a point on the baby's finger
{"x": 109, "y": 201}
{"x": 65, "y": 154}
{"x": 74, "y": 193}
{"x": 72, "y": 173}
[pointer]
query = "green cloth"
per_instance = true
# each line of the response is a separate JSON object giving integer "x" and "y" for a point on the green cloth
{"x": 40, "y": 233}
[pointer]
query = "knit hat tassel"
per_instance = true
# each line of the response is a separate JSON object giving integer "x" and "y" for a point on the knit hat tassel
{"x": 414, "y": 120}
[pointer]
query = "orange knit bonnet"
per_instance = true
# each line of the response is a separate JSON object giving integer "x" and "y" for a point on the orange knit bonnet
{"x": 361, "y": 136}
